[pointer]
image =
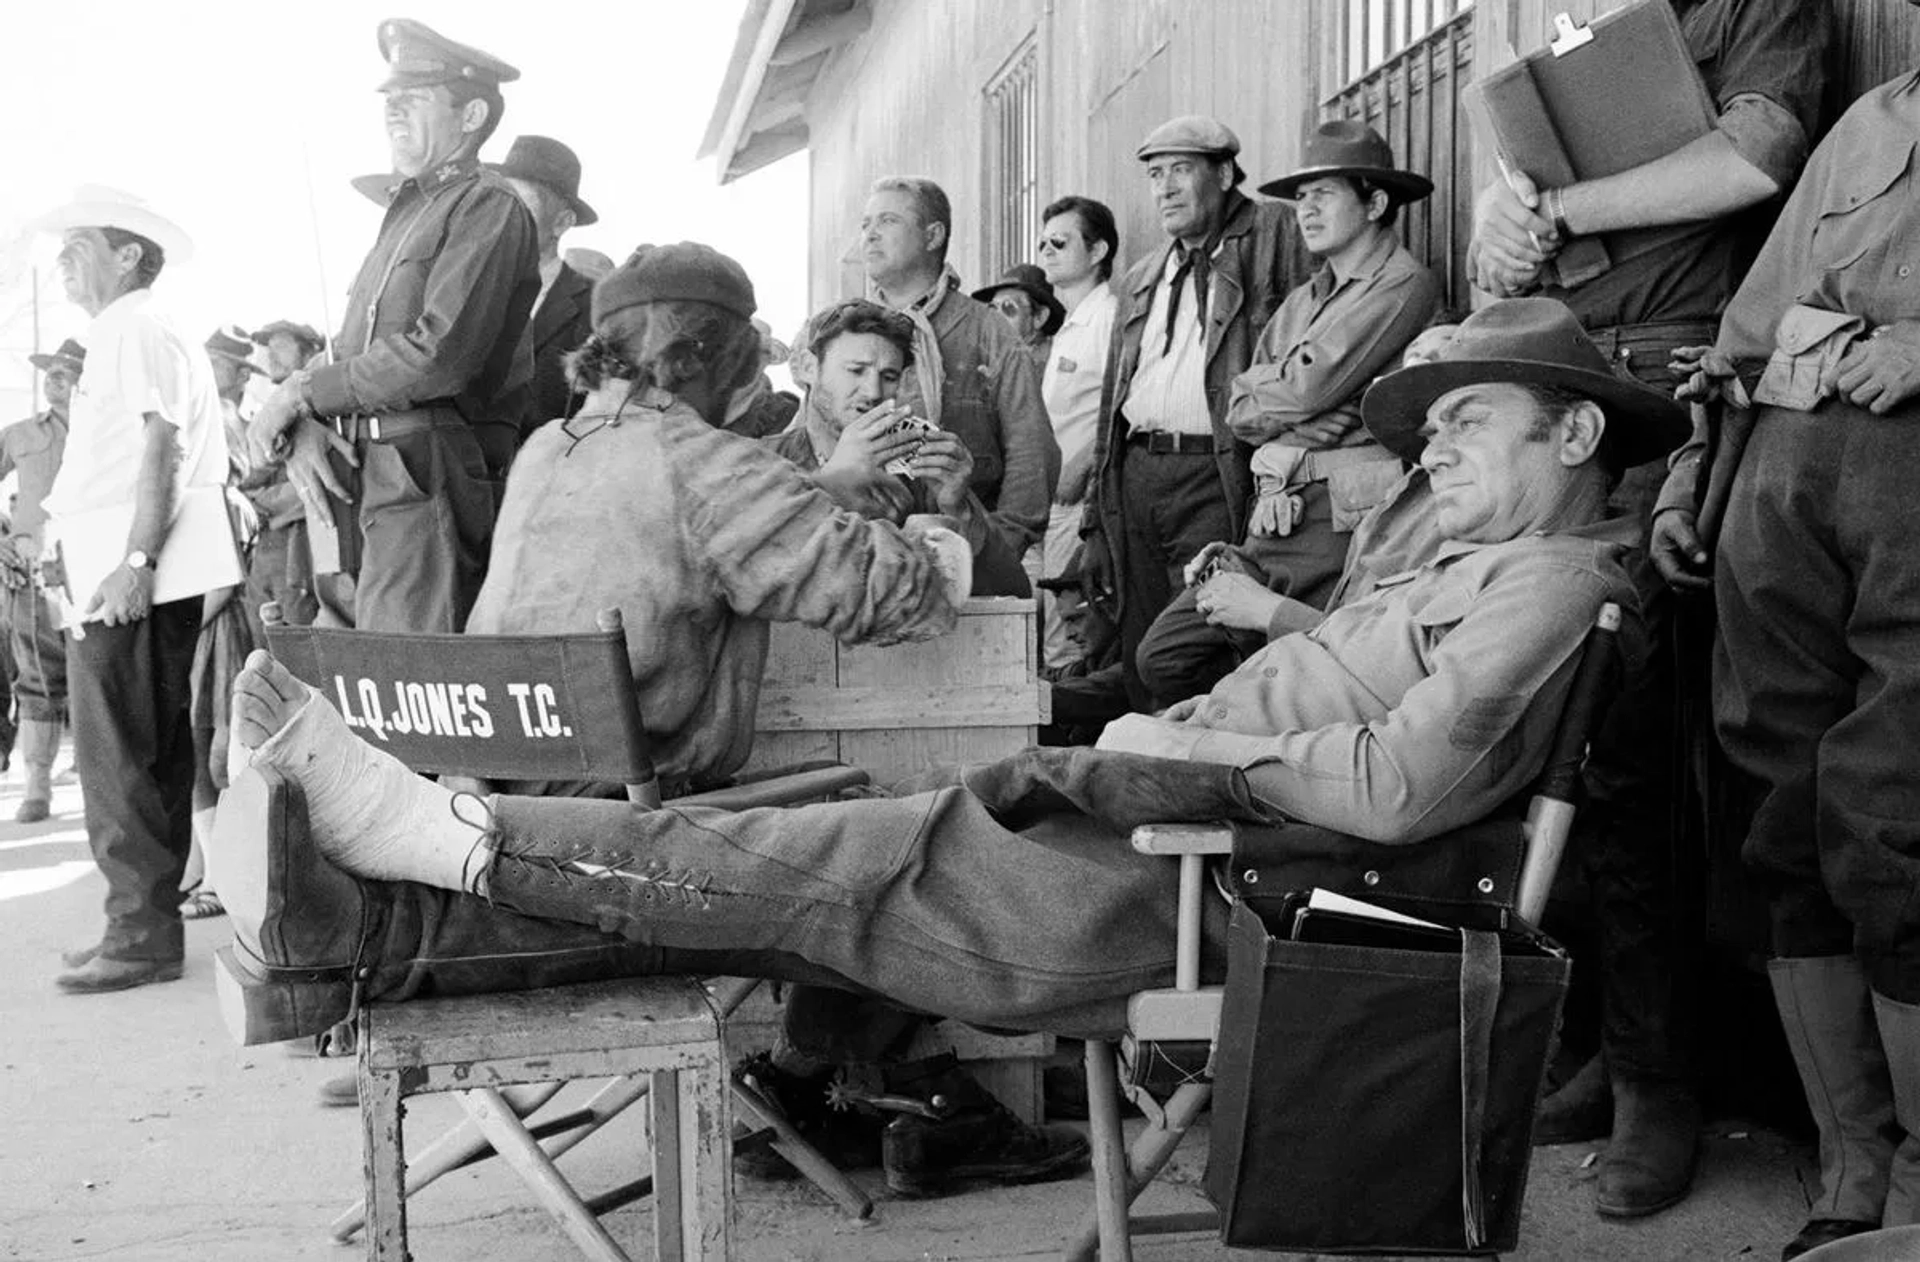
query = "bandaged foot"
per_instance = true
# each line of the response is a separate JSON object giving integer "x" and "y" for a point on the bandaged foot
{"x": 369, "y": 814}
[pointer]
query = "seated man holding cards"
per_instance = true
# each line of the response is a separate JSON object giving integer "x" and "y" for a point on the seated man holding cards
{"x": 872, "y": 455}
{"x": 1003, "y": 894}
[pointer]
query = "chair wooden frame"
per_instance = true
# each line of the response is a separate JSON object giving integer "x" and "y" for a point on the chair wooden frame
{"x": 658, "y": 1039}
{"x": 1191, "y": 1012}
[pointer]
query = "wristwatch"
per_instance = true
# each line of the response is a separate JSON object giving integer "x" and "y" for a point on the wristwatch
{"x": 138, "y": 560}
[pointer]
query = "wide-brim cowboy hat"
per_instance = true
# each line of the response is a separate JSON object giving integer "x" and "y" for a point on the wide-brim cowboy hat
{"x": 1349, "y": 148}
{"x": 97, "y": 206}
{"x": 70, "y": 355}
{"x": 1525, "y": 341}
{"x": 545, "y": 161}
{"x": 1032, "y": 282}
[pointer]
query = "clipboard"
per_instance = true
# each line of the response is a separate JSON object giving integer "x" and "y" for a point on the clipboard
{"x": 1600, "y": 99}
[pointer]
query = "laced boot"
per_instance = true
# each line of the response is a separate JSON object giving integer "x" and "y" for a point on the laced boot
{"x": 948, "y": 1131}
{"x": 312, "y": 942}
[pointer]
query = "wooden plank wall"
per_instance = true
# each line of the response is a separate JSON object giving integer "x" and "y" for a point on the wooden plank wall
{"x": 907, "y": 98}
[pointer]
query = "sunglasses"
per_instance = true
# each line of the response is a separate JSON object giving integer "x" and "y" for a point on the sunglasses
{"x": 1055, "y": 243}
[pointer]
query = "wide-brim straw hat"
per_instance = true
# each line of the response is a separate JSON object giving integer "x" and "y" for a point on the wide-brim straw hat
{"x": 98, "y": 206}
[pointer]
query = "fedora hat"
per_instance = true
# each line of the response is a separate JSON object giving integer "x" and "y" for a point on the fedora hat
{"x": 70, "y": 355}
{"x": 1348, "y": 147}
{"x": 1032, "y": 282}
{"x": 1525, "y": 341}
{"x": 545, "y": 160}
{"x": 97, "y": 206}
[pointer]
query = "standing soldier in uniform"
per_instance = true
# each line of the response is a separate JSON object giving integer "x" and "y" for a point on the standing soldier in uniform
{"x": 414, "y": 421}
{"x": 32, "y": 448}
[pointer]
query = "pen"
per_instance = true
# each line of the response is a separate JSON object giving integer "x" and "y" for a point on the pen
{"x": 1506, "y": 173}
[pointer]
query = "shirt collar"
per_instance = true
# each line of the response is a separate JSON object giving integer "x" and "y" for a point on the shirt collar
{"x": 1370, "y": 266}
{"x": 1622, "y": 531}
{"x": 130, "y": 303}
{"x": 446, "y": 173}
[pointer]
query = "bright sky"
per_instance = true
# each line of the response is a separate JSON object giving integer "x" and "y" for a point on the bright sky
{"x": 216, "y": 114}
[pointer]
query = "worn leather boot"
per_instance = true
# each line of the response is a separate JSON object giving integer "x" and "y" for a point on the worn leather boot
{"x": 39, "y": 746}
{"x": 950, "y": 1131}
{"x": 311, "y": 941}
{"x": 1648, "y": 1165}
{"x": 1580, "y": 1110}
{"x": 1827, "y": 1012}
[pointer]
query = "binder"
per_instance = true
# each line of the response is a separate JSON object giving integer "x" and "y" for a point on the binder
{"x": 1620, "y": 93}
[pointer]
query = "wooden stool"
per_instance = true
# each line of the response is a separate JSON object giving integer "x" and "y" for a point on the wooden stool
{"x": 667, "y": 1029}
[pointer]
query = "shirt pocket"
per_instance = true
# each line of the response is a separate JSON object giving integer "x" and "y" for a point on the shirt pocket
{"x": 1856, "y": 210}
{"x": 1438, "y": 615}
{"x": 1354, "y": 491}
{"x": 398, "y": 304}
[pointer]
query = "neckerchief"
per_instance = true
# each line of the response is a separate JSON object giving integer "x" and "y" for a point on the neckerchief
{"x": 928, "y": 370}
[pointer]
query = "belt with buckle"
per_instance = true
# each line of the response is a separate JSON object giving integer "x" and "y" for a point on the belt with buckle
{"x": 1163, "y": 442}
{"x": 392, "y": 425}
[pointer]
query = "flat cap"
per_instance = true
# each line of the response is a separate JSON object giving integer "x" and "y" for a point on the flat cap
{"x": 684, "y": 272}
{"x": 305, "y": 334}
{"x": 1190, "y": 133}
{"x": 418, "y": 57}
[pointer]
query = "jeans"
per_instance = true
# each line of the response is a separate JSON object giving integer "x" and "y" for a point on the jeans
{"x": 1173, "y": 507}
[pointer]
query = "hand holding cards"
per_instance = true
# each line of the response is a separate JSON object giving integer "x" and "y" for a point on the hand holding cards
{"x": 915, "y": 429}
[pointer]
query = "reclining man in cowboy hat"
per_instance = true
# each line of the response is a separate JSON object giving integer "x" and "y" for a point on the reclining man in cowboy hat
{"x": 1316, "y": 470}
{"x": 1002, "y": 894}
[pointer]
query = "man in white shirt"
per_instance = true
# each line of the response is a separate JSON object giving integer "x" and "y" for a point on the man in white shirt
{"x": 1078, "y": 244}
{"x": 146, "y": 430}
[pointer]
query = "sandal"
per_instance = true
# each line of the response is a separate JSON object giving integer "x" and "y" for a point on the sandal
{"x": 201, "y": 903}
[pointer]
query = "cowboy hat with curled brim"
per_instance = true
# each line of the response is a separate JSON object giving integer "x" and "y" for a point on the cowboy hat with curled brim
{"x": 97, "y": 206}
{"x": 1525, "y": 341}
{"x": 1032, "y": 282}
{"x": 71, "y": 355}
{"x": 1349, "y": 148}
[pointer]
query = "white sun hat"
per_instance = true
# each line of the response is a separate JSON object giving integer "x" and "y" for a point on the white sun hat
{"x": 98, "y": 206}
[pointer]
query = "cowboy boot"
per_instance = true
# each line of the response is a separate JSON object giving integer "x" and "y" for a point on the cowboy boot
{"x": 950, "y": 1131}
{"x": 1900, "y": 1039}
{"x": 1648, "y": 1165}
{"x": 39, "y": 745}
{"x": 1580, "y": 1110}
{"x": 1828, "y": 1014}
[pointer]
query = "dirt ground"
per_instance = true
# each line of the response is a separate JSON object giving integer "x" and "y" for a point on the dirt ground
{"x": 135, "y": 1130}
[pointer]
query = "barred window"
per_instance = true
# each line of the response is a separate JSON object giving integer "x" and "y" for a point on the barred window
{"x": 1377, "y": 29}
{"x": 1013, "y": 160}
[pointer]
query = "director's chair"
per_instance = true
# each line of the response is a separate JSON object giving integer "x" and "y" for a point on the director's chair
{"x": 1509, "y": 861}
{"x": 546, "y": 708}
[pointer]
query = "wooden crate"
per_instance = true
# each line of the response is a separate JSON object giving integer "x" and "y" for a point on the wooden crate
{"x": 971, "y": 696}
